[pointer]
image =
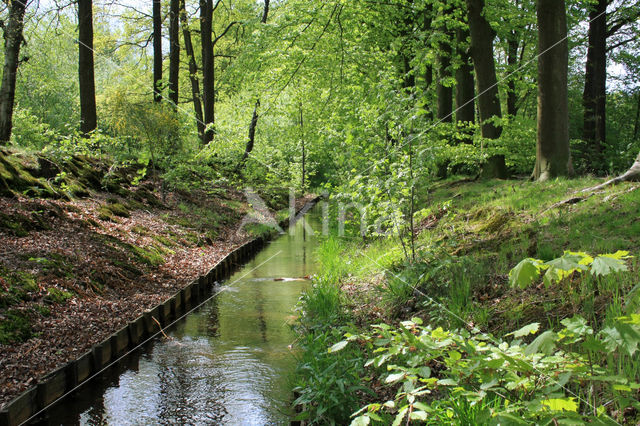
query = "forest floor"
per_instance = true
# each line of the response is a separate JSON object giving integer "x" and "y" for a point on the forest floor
{"x": 75, "y": 269}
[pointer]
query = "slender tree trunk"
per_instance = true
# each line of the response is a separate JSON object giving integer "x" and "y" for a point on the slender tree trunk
{"x": 193, "y": 70}
{"x": 254, "y": 117}
{"x": 304, "y": 154}
{"x": 174, "y": 52}
{"x": 88, "y": 115}
{"x": 512, "y": 61}
{"x": 265, "y": 12}
{"x": 636, "y": 126}
{"x": 553, "y": 157}
{"x": 482, "y": 36}
{"x": 208, "y": 89}
{"x": 252, "y": 136}
{"x": 444, "y": 92}
{"x": 12, "y": 43}
{"x": 465, "y": 82}
{"x": 595, "y": 86}
{"x": 157, "y": 51}
{"x": 428, "y": 72}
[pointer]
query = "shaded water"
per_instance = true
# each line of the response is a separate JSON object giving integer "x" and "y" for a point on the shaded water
{"x": 228, "y": 362}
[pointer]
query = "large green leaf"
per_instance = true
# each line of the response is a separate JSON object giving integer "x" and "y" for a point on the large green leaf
{"x": 525, "y": 273}
{"x": 561, "y": 404}
{"x": 526, "y": 330}
{"x": 544, "y": 343}
{"x": 606, "y": 264}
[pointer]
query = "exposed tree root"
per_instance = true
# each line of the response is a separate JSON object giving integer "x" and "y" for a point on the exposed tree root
{"x": 631, "y": 175}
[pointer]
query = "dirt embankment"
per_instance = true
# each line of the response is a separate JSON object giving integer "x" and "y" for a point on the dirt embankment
{"x": 83, "y": 251}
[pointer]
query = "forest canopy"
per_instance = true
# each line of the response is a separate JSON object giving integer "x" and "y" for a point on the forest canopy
{"x": 259, "y": 91}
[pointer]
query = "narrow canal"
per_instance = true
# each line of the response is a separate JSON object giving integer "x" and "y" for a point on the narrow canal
{"x": 229, "y": 362}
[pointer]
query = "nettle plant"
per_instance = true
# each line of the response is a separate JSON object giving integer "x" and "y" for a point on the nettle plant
{"x": 529, "y": 270}
{"x": 469, "y": 377}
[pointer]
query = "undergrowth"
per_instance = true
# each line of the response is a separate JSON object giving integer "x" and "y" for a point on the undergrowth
{"x": 469, "y": 237}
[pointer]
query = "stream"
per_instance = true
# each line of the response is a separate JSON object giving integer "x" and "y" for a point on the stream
{"x": 228, "y": 362}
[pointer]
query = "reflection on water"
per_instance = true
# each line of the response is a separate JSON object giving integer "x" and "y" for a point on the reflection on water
{"x": 229, "y": 362}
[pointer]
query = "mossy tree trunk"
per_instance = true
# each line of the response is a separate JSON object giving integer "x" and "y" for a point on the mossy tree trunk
{"x": 12, "y": 43}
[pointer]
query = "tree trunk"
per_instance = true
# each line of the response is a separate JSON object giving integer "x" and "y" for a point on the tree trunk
{"x": 465, "y": 82}
{"x": 482, "y": 36}
{"x": 595, "y": 86}
{"x": 88, "y": 115}
{"x": 174, "y": 52}
{"x": 252, "y": 136}
{"x": 265, "y": 12}
{"x": 12, "y": 43}
{"x": 193, "y": 70}
{"x": 512, "y": 61}
{"x": 208, "y": 89}
{"x": 553, "y": 157}
{"x": 157, "y": 51}
{"x": 636, "y": 126}
{"x": 445, "y": 92}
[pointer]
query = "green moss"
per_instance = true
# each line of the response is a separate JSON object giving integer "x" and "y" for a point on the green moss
{"x": 150, "y": 256}
{"x": 43, "y": 310}
{"x": 119, "y": 209}
{"x": 164, "y": 240}
{"x": 55, "y": 264}
{"x": 15, "y": 327}
{"x": 140, "y": 230}
{"x": 109, "y": 210}
{"x": 258, "y": 229}
{"x": 55, "y": 295}
{"x": 105, "y": 214}
{"x": 20, "y": 286}
{"x": 12, "y": 226}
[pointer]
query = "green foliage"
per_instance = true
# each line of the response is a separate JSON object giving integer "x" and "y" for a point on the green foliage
{"x": 328, "y": 392}
{"x": 529, "y": 270}
{"x": 543, "y": 381}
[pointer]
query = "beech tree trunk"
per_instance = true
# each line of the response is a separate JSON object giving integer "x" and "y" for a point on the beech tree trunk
{"x": 465, "y": 82}
{"x": 595, "y": 87}
{"x": 88, "y": 115}
{"x": 512, "y": 61}
{"x": 193, "y": 70}
{"x": 174, "y": 52}
{"x": 157, "y": 51}
{"x": 482, "y": 36}
{"x": 12, "y": 43}
{"x": 208, "y": 72}
{"x": 553, "y": 157}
